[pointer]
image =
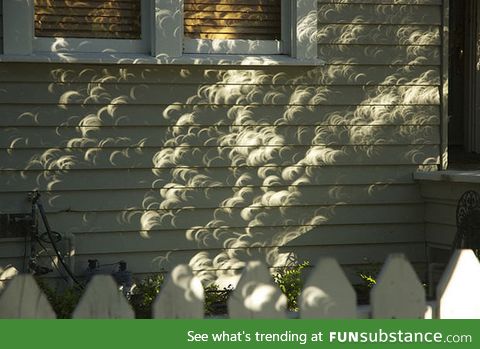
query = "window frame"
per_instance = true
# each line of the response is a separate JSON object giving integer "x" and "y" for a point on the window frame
{"x": 21, "y": 30}
{"x": 302, "y": 18}
{"x": 232, "y": 46}
{"x": 162, "y": 34}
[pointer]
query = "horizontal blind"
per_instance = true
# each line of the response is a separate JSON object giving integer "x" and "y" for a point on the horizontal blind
{"x": 233, "y": 19}
{"x": 112, "y": 19}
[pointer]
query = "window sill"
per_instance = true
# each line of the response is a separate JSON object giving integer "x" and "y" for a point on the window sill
{"x": 186, "y": 59}
{"x": 448, "y": 176}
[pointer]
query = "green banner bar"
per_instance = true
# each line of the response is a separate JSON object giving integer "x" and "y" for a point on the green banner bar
{"x": 175, "y": 334}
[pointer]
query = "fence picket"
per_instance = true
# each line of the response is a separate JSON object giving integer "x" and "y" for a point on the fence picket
{"x": 328, "y": 294}
{"x": 398, "y": 293}
{"x": 6, "y": 275}
{"x": 23, "y": 299}
{"x": 256, "y": 295}
{"x": 182, "y": 297}
{"x": 103, "y": 300}
{"x": 459, "y": 287}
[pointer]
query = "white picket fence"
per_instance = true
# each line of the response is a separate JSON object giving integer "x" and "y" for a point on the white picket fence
{"x": 327, "y": 294}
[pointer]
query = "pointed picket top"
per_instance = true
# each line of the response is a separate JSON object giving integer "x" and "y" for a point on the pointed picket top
{"x": 103, "y": 300}
{"x": 256, "y": 295}
{"x": 398, "y": 294}
{"x": 23, "y": 299}
{"x": 328, "y": 294}
{"x": 182, "y": 297}
{"x": 459, "y": 288}
{"x": 6, "y": 275}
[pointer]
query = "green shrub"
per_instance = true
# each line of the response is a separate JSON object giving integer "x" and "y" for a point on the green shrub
{"x": 63, "y": 303}
{"x": 144, "y": 294}
{"x": 289, "y": 280}
{"x": 216, "y": 299}
{"x": 146, "y": 291}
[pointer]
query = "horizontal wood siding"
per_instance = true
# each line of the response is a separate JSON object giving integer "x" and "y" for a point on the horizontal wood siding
{"x": 441, "y": 198}
{"x": 233, "y": 19}
{"x": 217, "y": 165}
{"x": 113, "y": 19}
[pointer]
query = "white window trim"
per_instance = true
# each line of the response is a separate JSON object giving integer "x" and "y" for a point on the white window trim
{"x": 448, "y": 176}
{"x": 164, "y": 42}
{"x": 18, "y": 27}
{"x": 233, "y": 46}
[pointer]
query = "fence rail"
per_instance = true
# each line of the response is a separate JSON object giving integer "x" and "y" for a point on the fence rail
{"x": 398, "y": 293}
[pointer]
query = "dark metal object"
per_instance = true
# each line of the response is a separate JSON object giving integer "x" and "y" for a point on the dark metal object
{"x": 92, "y": 269}
{"x": 468, "y": 221}
{"x": 38, "y": 206}
{"x": 124, "y": 278}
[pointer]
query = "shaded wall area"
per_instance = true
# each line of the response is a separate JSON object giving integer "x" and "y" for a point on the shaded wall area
{"x": 1, "y": 26}
{"x": 159, "y": 165}
{"x": 441, "y": 199}
{"x": 441, "y": 192}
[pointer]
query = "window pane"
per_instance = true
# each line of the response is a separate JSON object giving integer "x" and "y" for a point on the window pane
{"x": 113, "y": 19}
{"x": 233, "y": 19}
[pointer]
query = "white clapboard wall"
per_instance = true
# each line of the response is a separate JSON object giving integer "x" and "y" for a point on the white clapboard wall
{"x": 327, "y": 294}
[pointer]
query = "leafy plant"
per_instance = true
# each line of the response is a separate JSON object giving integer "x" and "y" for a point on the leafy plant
{"x": 216, "y": 299}
{"x": 146, "y": 291}
{"x": 369, "y": 274}
{"x": 63, "y": 303}
{"x": 289, "y": 280}
{"x": 144, "y": 294}
{"x": 368, "y": 279}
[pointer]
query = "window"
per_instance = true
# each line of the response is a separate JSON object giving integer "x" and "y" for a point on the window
{"x": 235, "y": 26}
{"x": 161, "y": 31}
{"x": 298, "y": 30}
{"x": 67, "y": 26}
{"x": 88, "y": 19}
